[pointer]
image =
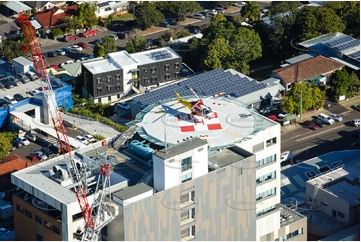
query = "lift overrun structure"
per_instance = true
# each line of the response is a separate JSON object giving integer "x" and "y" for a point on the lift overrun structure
{"x": 99, "y": 214}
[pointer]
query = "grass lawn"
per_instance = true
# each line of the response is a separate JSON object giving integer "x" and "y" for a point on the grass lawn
{"x": 124, "y": 17}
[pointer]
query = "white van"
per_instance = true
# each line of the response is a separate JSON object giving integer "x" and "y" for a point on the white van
{"x": 10, "y": 99}
{"x": 326, "y": 119}
{"x": 31, "y": 75}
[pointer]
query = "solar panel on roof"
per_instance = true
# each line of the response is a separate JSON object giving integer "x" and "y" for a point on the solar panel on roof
{"x": 339, "y": 40}
{"x": 355, "y": 55}
{"x": 348, "y": 45}
{"x": 103, "y": 4}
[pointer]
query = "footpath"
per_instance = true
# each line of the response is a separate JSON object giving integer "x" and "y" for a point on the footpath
{"x": 346, "y": 107}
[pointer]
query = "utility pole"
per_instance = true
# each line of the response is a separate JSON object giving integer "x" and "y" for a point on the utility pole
{"x": 301, "y": 108}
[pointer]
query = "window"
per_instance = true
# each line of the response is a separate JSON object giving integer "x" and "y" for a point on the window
{"x": 271, "y": 141}
{"x": 56, "y": 230}
{"x": 186, "y": 164}
{"x": 266, "y": 160}
{"x": 77, "y": 216}
{"x": 341, "y": 215}
{"x": 265, "y": 194}
{"x": 191, "y": 196}
{"x": 109, "y": 78}
{"x": 117, "y": 77}
{"x": 20, "y": 208}
{"x": 117, "y": 87}
{"x": 145, "y": 70}
{"x": 324, "y": 204}
{"x": 166, "y": 67}
{"x": 153, "y": 79}
{"x": 177, "y": 74}
{"x": 109, "y": 98}
{"x": 153, "y": 69}
{"x": 28, "y": 214}
{"x": 167, "y": 77}
{"x": 99, "y": 90}
{"x": 109, "y": 88}
{"x": 186, "y": 177}
{"x": 176, "y": 65}
{"x": 47, "y": 224}
{"x": 266, "y": 177}
{"x": 146, "y": 79}
{"x": 265, "y": 211}
{"x": 99, "y": 80}
{"x": 38, "y": 219}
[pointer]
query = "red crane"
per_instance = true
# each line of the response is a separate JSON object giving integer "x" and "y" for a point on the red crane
{"x": 39, "y": 66}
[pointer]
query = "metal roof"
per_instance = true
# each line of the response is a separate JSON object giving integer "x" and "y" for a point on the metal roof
{"x": 22, "y": 61}
{"x": 132, "y": 191}
{"x": 181, "y": 148}
{"x": 17, "y": 6}
{"x": 97, "y": 67}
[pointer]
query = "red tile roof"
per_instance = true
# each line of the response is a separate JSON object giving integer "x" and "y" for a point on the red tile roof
{"x": 12, "y": 163}
{"x": 307, "y": 69}
{"x": 51, "y": 17}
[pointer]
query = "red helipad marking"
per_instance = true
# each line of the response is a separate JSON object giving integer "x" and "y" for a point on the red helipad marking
{"x": 187, "y": 128}
{"x": 214, "y": 126}
{"x": 215, "y": 115}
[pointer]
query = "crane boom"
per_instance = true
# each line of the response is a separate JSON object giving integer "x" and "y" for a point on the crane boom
{"x": 39, "y": 66}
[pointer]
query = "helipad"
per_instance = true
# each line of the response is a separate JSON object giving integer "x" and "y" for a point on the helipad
{"x": 173, "y": 123}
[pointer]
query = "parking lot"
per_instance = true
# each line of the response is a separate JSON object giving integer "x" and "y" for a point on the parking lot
{"x": 22, "y": 88}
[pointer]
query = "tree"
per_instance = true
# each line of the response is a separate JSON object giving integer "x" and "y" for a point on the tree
{"x": 283, "y": 7}
{"x": 57, "y": 32}
{"x": 315, "y": 21}
{"x": 344, "y": 84}
{"x": 5, "y": 146}
{"x": 136, "y": 42}
{"x": 109, "y": 44}
{"x": 178, "y": 9}
{"x": 99, "y": 50}
{"x": 147, "y": 15}
{"x": 251, "y": 11}
{"x": 11, "y": 49}
{"x": 86, "y": 15}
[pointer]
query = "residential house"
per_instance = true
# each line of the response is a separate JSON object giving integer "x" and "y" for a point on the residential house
{"x": 14, "y": 8}
{"x": 53, "y": 16}
{"x": 9, "y": 30}
{"x": 39, "y": 5}
{"x": 317, "y": 69}
{"x": 106, "y": 8}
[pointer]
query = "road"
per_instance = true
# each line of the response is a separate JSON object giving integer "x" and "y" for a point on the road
{"x": 306, "y": 143}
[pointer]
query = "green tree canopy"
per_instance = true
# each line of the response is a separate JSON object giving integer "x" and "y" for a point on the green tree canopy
{"x": 109, "y": 44}
{"x": 178, "y": 9}
{"x": 282, "y": 7}
{"x": 147, "y": 15}
{"x": 344, "y": 84}
{"x": 86, "y": 15}
{"x": 11, "y": 49}
{"x": 315, "y": 21}
{"x": 251, "y": 11}
{"x": 99, "y": 50}
{"x": 5, "y": 145}
{"x": 136, "y": 42}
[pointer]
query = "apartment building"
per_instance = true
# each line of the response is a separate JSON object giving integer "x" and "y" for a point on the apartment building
{"x": 110, "y": 79}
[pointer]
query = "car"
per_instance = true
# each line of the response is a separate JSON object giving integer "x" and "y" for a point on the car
{"x": 24, "y": 141}
{"x": 66, "y": 63}
{"x": 66, "y": 49}
{"x": 33, "y": 92}
{"x": 89, "y": 32}
{"x": 47, "y": 151}
{"x": 336, "y": 117}
{"x": 197, "y": 16}
{"x": 16, "y": 142}
{"x": 90, "y": 138}
{"x": 272, "y": 117}
{"x": 98, "y": 41}
{"x": 123, "y": 34}
{"x": 219, "y": 9}
{"x": 23, "y": 78}
{"x": 54, "y": 149}
{"x": 82, "y": 139}
{"x": 2, "y": 86}
{"x": 82, "y": 45}
{"x": 10, "y": 99}
{"x": 32, "y": 76}
{"x": 18, "y": 97}
{"x": 212, "y": 12}
{"x": 55, "y": 66}
{"x": 31, "y": 137}
{"x": 75, "y": 49}
{"x": 60, "y": 52}
{"x": 70, "y": 37}
{"x": 4, "y": 103}
{"x": 82, "y": 59}
{"x": 310, "y": 125}
{"x": 33, "y": 157}
{"x": 326, "y": 119}
{"x": 282, "y": 115}
{"x": 7, "y": 83}
{"x": 40, "y": 155}
{"x": 164, "y": 24}
{"x": 113, "y": 36}
{"x": 319, "y": 122}
{"x": 51, "y": 54}
{"x": 241, "y": 4}
{"x": 356, "y": 107}
{"x": 356, "y": 122}
{"x": 15, "y": 80}
{"x": 123, "y": 105}
{"x": 286, "y": 156}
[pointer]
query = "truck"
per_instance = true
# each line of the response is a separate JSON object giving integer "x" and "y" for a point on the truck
{"x": 89, "y": 32}
{"x": 70, "y": 37}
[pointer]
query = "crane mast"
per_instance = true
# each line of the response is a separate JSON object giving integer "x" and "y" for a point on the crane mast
{"x": 76, "y": 174}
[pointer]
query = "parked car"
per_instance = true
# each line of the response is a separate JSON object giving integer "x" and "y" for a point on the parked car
{"x": 113, "y": 36}
{"x": 15, "y": 80}
{"x": 3, "y": 103}
{"x": 286, "y": 156}
{"x": 272, "y": 117}
{"x": 319, "y": 122}
{"x": 40, "y": 155}
{"x": 60, "y": 52}
{"x": 336, "y": 117}
{"x": 66, "y": 63}
{"x": 123, "y": 105}
{"x": 18, "y": 97}
{"x": 7, "y": 83}
{"x": 356, "y": 122}
{"x": 82, "y": 45}
{"x": 31, "y": 137}
{"x": 33, "y": 157}
{"x": 219, "y": 9}
{"x": 89, "y": 32}
{"x": 326, "y": 119}
{"x": 32, "y": 76}
{"x": 75, "y": 49}
{"x": 54, "y": 149}
{"x": 82, "y": 59}
{"x": 123, "y": 34}
{"x": 10, "y": 99}
{"x": 66, "y": 49}
{"x": 212, "y": 12}
{"x": 90, "y": 138}
{"x": 55, "y": 66}
{"x": 197, "y": 16}
{"x": 70, "y": 37}
{"x": 310, "y": 125}
{"x": 82, "y": 139}
{"x": 164, "y": 24}
{"x": 51, "y": 54}
{"x": 47, "y": 151}
{"x": 24, "y": 141}
{"x": 17, "y": 142}
{"x": 23, "y": 78}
